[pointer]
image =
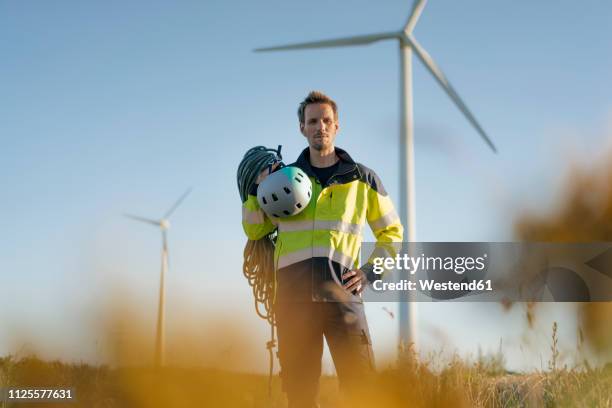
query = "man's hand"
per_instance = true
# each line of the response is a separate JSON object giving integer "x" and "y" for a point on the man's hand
{"x": 358, "y": 282}
{"x": 262, "y": 176}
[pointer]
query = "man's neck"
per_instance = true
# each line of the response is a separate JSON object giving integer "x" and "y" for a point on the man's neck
{"x": 323, "y": 158}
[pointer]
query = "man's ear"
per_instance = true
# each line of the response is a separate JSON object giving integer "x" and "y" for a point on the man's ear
{"x": 302, "y": 128}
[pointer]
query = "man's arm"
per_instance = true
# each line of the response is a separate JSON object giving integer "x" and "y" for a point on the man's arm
{"x": 387, "y": 229}
{"x": 383, "y": 219}
{"x": 255, "y": 222}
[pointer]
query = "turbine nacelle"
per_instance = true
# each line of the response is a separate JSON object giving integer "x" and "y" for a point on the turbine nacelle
{"x": 164, "y": 222}
{"x": 164, "y": 225}
{"x": 406, "y": 39}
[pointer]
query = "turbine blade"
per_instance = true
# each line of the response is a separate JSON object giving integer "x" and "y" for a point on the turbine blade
{"x": 445, "y": 84}
{"x": 337, "y": 42}
{"x": 178, "y": 202}
{"x": 142, "y": 219}
{"x": 417, "y": 9}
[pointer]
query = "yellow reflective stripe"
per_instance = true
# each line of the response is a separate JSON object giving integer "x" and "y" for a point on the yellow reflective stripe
{"x": 293, "y": 226}
{"x": 252, "y": 217}
{"x": 341, "y": 226}
{"x": 388, "y": 219}
{"x": 315, "y": 252}
{"x": 294, "y": 257}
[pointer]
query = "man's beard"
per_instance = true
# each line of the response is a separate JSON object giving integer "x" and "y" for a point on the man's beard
{"x": 320, "y": 144}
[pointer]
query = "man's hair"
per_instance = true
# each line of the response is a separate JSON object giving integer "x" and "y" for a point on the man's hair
{"x": 316, "y": 97}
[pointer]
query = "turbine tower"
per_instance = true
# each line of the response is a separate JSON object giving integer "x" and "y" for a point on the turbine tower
{"x": 407, "y": 44}
{"x": 164, "y": 225}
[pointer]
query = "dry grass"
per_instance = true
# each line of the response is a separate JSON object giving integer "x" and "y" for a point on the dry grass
{"x": 583, "y": 214}
{"x": 412, "y": 383}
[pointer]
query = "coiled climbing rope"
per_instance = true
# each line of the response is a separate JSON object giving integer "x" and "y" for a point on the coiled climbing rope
{"x": 258, "y": 266}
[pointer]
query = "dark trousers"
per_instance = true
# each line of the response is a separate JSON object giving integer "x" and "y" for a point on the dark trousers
{"x": 302, "y": 324}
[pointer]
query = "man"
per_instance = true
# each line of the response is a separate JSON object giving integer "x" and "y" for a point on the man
{"x": 316, "y": 255}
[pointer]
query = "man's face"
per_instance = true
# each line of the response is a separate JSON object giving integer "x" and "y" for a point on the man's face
{"x": 320, "y": 126}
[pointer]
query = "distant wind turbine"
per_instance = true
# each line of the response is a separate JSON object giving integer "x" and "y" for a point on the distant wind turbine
{"x": 407, "y": 43}
{"x": 164, "y": 225}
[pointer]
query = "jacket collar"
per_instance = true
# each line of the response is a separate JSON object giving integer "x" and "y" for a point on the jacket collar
{"x": 346, "y": 165}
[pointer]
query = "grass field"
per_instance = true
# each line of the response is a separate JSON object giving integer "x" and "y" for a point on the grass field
{"x": 411, "y": 383}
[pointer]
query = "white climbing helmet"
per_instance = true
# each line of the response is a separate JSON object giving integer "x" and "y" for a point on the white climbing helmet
{"x": 285, "y": 192}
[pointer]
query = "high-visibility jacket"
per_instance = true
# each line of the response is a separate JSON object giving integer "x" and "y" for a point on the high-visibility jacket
{"x": 331, "y": 225}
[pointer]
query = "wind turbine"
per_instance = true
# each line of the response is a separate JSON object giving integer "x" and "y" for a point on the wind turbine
{"x": 164, "y": 225}
{"x": 407, "y": 44}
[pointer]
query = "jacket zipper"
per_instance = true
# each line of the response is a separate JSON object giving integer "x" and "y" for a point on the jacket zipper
{"x": 336, "y": 175}
{"x": 330, "y": 182}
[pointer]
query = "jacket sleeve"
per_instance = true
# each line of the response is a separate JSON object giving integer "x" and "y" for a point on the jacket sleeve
{"x": 380, "y": 213}
{"x": 255, "y": 222}
{"x": 385, "y": 224}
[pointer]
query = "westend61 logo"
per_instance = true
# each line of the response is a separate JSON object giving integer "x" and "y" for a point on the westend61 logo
{"x": 491, "y": 271}
{"x": 412, "y": 264}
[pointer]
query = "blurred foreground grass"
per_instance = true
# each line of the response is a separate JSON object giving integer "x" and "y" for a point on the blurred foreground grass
{"x": 584, "y": 214}
{"x": 458, "y": 383}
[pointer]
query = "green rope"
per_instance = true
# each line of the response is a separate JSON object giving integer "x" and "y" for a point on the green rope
{"x": 258, "y": 266}
{"x": 256, "y": 160}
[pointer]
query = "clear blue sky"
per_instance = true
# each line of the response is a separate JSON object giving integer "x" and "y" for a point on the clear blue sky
{"x": 112, "y": 107}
